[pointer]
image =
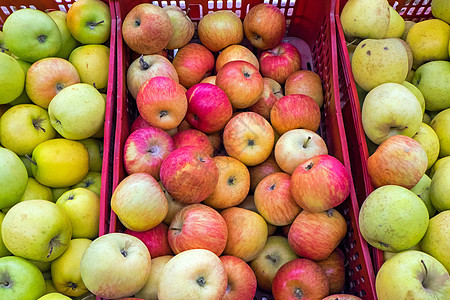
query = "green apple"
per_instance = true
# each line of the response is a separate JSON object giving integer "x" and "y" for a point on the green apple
{"x": 35, "y": 190}
{"x": 89, "y": 21}
{"x": 60, "y": 163}
{"x": 416, "y": 93}
{"x": 440, "y": 162}
{"x": 426, "y": 118}
{"x": 440, "y": 188}
{"x": 441, "y": 9}
{"x": 49, "y": 286}
{"x": 20, "y": 279}
{"x": 3, "y": 250}
{"x": 13, "y": 178}
{"x": 408, "y": 25}
{"x": 387, "y": 255}
{"x": 83, "y": 208}
{"x": 12, "y": 79}
{"x": 441, "y": 125}
{"x": 436, "y": 241}
{"x": 429, "y": 141}
{"x": 410, "y": 76}
{"x": 68, "y": 42}
{"x": 396, "y": 25}
{"x": 92, "y": 182}
{"x": 31, "y": 34}
{"x": 3, "y": 47}
{"x": 92, "y": 64}
{"x": 412, "y": 274}
{"x": 25, "y": 126}
{"x": 422, "y": 189}
{"x": 150, "y": 289}
{"x": 392, "y": 218}
{"x": 27, "y": 163}
{"x": 95, "y": 149}
{"x": 43, "y": 266}
{"x": 77, "y": 112}
{"x": 66, "y": 269}
{"x": 57, "y": 192}
{"x": 23, "y": 98}
{"x": 54, "y": 296}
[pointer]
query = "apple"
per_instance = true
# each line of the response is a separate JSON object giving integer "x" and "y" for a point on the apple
{"x": 141, "y": 123}
{"x": 307, "y": 83}
{"x": 440, "y": 162}
{"x": 54, "y": 296}
{"x": 92, "y": 64}
{"x": 3, "y": 46}
{"x": 241, "y": 279}
{"x": 399, "y": 160}
{"x": 233, "y": 183}
{"x": 341, "y": 297}
{"x": 249, "y": 138}
{"x": 242, "y": 83}
{"x": 3, "y": 250}
{"x": 68, "y": 42}
{"x": 422, "y": 189}
{"x": 334, "y": 267}
{"x": 439, "y": 188}
{"x": 300, "y": 278}
{"x": 264, "y": 169}
{"x": 209, "y": 108}
{"x": 193, "y": 137}
{"x": 441, "y": 124}
{"x": 27, "y": 29}
{"x": 95, "y": 149}
{"x": 174, "y": 206}
{"x": 275, "y": 254}
{"x": 198, "y": 226}
{"x": 193, "y": 62}
{"x": 280, "y": 62}
{"x": 115, "y": 265}
{"x": 429, "y": 141}
{"x": 92, "y": 182}
{"x": 145, "y": 149}
{"x": 216, "y": 141}
{"x": 12, "y": 79}
{"x": 247, "y": 233}
{"x": 23, "y": 127}
{"x": 219, "y": 29}
{"x": 162, "y": 102}
{"x": 198, "y": 273}
{"x": 293, "y": 112}
{"x": 236, "y": 52}
{"x": 209, "y": 79}
{"x": 150, "y": 289}
{"x": 402, "y": 215}
{"x": 57, "y": 192}
{"x": 436, "y": 240}
{"x": 35, "y": 190}
{"x": 320, "y": 183}
{"x": 271, "y": 93}
{"x": 155, "y": 239}
{"x": 147, "y": 28}
{"x": 139, "y": 202}
{"x": 146, "y": 67}
{"x": 255, "y": 26}
{"x": 182, "y": 27}
{"x": 412, "y": 274}
{"x": 296, "y": 146}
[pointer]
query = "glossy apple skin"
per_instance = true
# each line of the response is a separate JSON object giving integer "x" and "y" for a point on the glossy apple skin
{"x": 399, "y": 160}
{"x": 280, "y": 62}
{"x": 293, "y": 112}
{"x": 334, "y": 268}
{"x": 162, "y": 102}
{"x": 305, "y": 82}
{"x": 271, "y": 93}
{"x": 316, "y": 235}
{"x": 198, "y": 226}
{"x": 209, "y": 109}
{"x": 220, "y": 29}
{"x": 341, "y": 297}
{"x": 145, "y": 149}
{"x": 300, "y": 279}
{"x": 193, "y": 137}
{"x": 236, "y": 52}
{"x": 189, "y": 175}
{"x": 241, "y": 279}
{"x": 155, "y": 239}
{"x": 193, "y": 62}
{"x": 264, "y": 169}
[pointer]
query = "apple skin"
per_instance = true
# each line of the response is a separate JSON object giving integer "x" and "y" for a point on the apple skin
{"x": 182, "y": 27}
{"x": 271, "y": 93}
{"x": 68, "y": 42}
{"x": 198, "y": 226}
{"x": 399, "y": 160}
{"x": 441, "y": 125}
{"x": 209, "y": 79}
{"x": 264, "y": 169}
{"x": 300, "y": 278}
{"x": 141, "y": 123}
{"x": 174, "y": 206}
{"x": 307, "y": 83}
{"x": 341, "y": 297}
{"x": 155, "y": 239}
{"x": 236, "y": 52}
{"x": 439, "y": 188}
{"x": 193, "y": 137}
{"x": 145, "y": 149}
{"x": 189, "y": 175}
{"x": 162, "y": 102}
{"x": 147, "y": 29}
{"x": 429, "y": 141}
{"x": 13, "y": 79}
{"x": 220, "y": 29}
{"x": 280, "y": 62}
{"x": 293, "y": 112}
{"x": 334, "y": 268}
{"x": 150, "y": 289}
{"x": 436, "y": 240}
{"x": 422, "y": 189}
{"x": 209, "y": 108}
{"x": 241, "y": 279}
{"x": 193, "y": 62}
{"x": 255, "y": 26}
{"x": 320, "y": 183}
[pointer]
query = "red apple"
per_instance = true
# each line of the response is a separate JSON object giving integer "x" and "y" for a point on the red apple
{"x": 280, "y": 62}
{"x": 145, "y": 149}
{"x": 236, "y": 52}
{"x": 189, "y": 174}
{"x": 209, "y": 109}
{"x": 182, "y": 27}
{"x": 242, "y": 83}
{"x": 306, "y": 83}
{"x": 162, "y": 102}
{"x": 193, "y": 62}
{"x": 147, "y": 29}
{"x": 341, "y": 297}
{"x": 264, "y": 26}
{"x": 316, "y": 235}
{"x": 334, "y": 268}
{"x": 184, "y": 126}
{"x": 209, "y": 79}
{"x": 193, "y": 137}
{"x": 293, "y": 112}
{"x": 272, "y": 92}
{"x": 300, "y": 279}
{"x": 198, "y": 226}
{"x": 155, "y": 239}
{"x": 241, "y": 279}
{"x": 399, "y": 160}
{"x": 220, "y": 29}
{"x": 249, "y": 138}
{"x": 139, "y": 123}
{"x": 146, "y": 67}
{"x": 259, "y": 172}
{"x": 320, "y": 183}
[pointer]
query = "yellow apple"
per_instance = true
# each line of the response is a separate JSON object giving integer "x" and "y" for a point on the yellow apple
{"x": 150, "y": 289}
{"x": 92, "y": 64}
{"x": 54, "y": 296}
{"x": 3, "y": 250}
{"x": 396, "y": 24}
{"x": 441, "y": 9}
{"x": 68, "y": 42}
{"x": 408, "y": 25}
{"x": 35, "y": 190}
{"x": 441, "y": 125}
{"x": 439, "y": 163}
{"x": 416, "y": 93}
{"x": 429, "y": 141}
{"x": 92, "y": 182}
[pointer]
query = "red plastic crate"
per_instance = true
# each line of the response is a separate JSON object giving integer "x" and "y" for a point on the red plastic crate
{"x": 313, "y": 22}
{"x": 416, "y": 11}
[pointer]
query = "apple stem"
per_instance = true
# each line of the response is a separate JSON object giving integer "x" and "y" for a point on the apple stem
{"x": 93, "y": 24}
{"x": 174, "y": 228}
{"x": 329, "y": 213}
{"x": 271, "y": 258}
{"x": 426, "y": 271}
{"x": 305, "y": 144}
{"x": 4, "y": 283}
{"x": 30, "y": 159}
{"x": 143, "y": 63}
{"x": 352, "y": 42}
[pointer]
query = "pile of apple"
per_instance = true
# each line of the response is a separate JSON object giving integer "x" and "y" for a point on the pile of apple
{"x": 53, "y": 68}
{"x": 402, "y": 70}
